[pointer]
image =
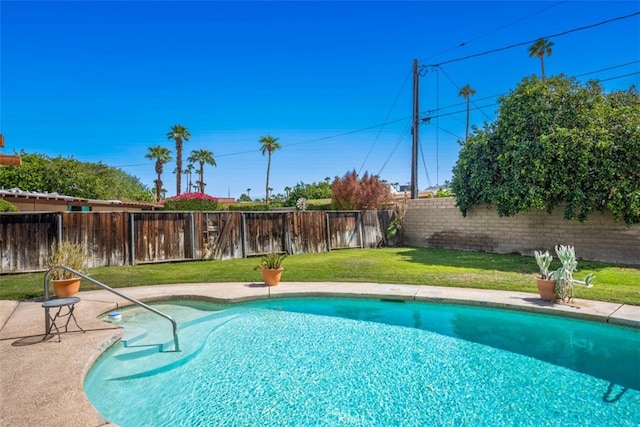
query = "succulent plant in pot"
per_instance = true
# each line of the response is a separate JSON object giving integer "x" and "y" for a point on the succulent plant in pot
{"x": 559, "y": 284}
{"x": 546, "y": 281}
{"x": 73, "y": 256}
{"x": 271, "y": 268}
{"x": 564, "y": 275}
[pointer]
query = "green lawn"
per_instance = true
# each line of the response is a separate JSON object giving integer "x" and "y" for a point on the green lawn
{"x": 419, "y": 266}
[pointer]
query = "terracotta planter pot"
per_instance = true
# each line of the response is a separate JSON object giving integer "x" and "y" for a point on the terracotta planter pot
{"x": 271, "y": 277}
{"x": 66, "y": 287}
{"x": 546, "y": 289}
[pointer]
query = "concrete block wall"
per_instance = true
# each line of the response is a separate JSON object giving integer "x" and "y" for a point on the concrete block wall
{"x": 438, "y": 223}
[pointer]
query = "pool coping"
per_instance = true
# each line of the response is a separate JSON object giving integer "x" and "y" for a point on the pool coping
{"x": 41, "y": 380}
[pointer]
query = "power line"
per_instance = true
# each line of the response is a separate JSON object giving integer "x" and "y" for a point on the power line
{"x": 463, "y": 44}
{"x": 451, "y": 133}
{"x": 608, "y": 68}
{"x": 451, "y": 113}
{"x": 135, "y": 165}
{"x": 429, "y": 113}
{"x": 424, "y": 163}
{"x": 385, "y": 119}
{"x": 395, "y": 147}
{"x": 324, "y": 138}
{"x": 564, "y": 33}
{"x": 619, "y": 77}
{"x": 458, "y": 88}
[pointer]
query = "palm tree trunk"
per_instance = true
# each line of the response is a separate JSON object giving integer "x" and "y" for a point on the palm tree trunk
{"x": 466, "y": 133}
{"x": 201, "y": 174}
{"x": 178, "y": 165}
{"x": 267, "y": 187}
{"x": 158, "y": 188}
{"x": 542, "y": 66}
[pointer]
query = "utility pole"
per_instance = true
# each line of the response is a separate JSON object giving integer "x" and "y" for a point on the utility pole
{"x": 414, "y": 134}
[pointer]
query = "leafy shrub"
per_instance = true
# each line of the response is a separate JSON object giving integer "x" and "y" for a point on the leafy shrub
{"x": 7, "y": 207}
{"x": 555, "y": 142}
{"x": 251, "y": 207}
{"x": 71, "y": 177}
{"x": 192, "y": 202}
{"x": 443, "y": 193}
{"x": 319, "y": 205}
{"x": 367, "y": 193}
{"x": 320, "y": 190}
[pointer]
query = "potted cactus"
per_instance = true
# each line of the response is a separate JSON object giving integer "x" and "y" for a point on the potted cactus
{"x": 271, "y": 268}
{"x": 545, "y": 282}
{"x": 558, "y": 284}
{"x": 564, "y": 275}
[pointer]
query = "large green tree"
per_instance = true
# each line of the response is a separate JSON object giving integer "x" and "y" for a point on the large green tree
{"x": 269, "y": 145}
{"x": 556, "y": 142}
{"x": 539, "y": 49}
{"x": 161, "y": 155}
{"x": 202, "y": 157}
{"x": 71, "y": 177}
{"x": 314, "y": 191}
{"x": 178, "y": 133}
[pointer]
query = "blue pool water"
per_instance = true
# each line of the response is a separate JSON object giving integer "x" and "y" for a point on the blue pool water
{"x": 341, "y": 362}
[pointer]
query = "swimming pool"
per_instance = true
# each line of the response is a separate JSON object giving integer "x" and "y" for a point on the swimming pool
{"x": 366, "y": 362}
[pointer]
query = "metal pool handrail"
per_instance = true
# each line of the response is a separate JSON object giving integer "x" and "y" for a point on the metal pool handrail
{"x": 176, "y": 344}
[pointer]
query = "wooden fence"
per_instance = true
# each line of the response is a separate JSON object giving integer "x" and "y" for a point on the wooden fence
{"x": 129, "y": 238}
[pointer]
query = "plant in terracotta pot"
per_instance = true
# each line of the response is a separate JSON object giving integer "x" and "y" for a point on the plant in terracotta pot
{"x": 72, "y": 255}
{"x": 564, "y": 275}
{"x": 546, "y": 281}
{"x": 558, "y": 284}
{"x": 271, "y": 268}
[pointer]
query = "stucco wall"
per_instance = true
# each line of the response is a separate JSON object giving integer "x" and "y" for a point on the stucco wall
{"x": 438, "y": 223}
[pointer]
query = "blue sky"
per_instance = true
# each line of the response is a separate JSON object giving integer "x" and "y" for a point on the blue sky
{"x": 103, "y": 81}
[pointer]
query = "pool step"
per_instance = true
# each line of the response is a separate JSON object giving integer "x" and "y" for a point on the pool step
{"x": 158, "y": 331}
{"x": 143, "y": 325}
{"x": 148, "y": 358}
{"x": 133, "y": 334}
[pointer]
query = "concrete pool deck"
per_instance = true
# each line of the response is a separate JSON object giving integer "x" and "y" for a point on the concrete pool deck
{"x": 41, "y": 380}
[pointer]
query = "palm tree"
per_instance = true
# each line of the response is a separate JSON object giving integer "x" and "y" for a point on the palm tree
{"x": 269, "y": 145}
{"x": 539, "y": 49}
{"x": 178, "y": 133}
{"x": 467, "y": 92}
{"x": 202, "y": 157}
{"x": 188, "y": 171}
{"x": 161, "y": 155}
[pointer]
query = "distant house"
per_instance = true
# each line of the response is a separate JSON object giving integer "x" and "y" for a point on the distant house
{"x": 404, "y": 192}
{"x": 226, "y": 201}
{"x": 28, "y": 201}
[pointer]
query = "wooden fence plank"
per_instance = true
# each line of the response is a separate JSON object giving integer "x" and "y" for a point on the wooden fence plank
{"x": 345, "y": 229}
{"x": 265, "y": 232}
{"x": 113, "y": 237}
{"x": 308, "y": 232}
{"x": 25, "y": 240}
